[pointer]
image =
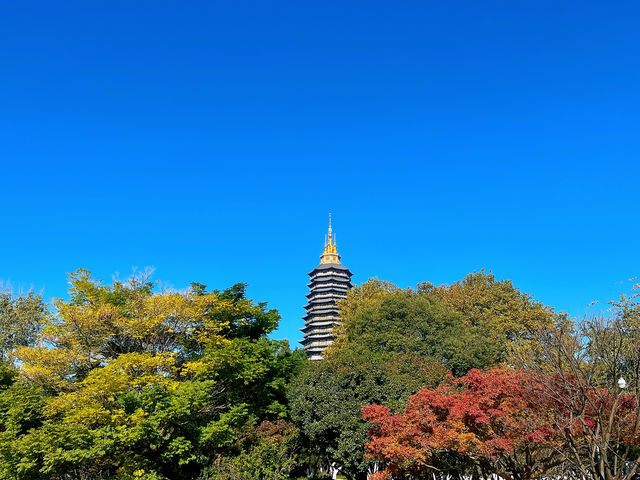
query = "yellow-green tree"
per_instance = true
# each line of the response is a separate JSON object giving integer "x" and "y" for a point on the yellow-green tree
{"x": 472, "y": 323}
{"x": 129, "y": 383}
{"x": 21, "y": 318}
{"x": 484, "y": 301}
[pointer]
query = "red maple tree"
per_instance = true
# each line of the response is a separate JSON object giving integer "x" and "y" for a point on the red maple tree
{"x": 495, "y": 418}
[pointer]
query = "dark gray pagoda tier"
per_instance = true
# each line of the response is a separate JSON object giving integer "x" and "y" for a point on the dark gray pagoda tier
{"x": 330, "y": 282}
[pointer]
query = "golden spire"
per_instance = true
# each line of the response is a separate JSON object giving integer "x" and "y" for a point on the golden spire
{"x": 330, "y": 254}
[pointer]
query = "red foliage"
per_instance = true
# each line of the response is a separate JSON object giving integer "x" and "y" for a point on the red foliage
{"x": 486, "y": 415}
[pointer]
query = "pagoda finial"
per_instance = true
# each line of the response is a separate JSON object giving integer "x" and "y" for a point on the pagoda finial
{"x": 330, "y": 254}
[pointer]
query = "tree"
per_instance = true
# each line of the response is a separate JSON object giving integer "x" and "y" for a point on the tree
{"x": 380, "y": 317}
{"x": 491, "y": 419}
{"x": 483, "y": 300}
{"x": 498, "y": 311}
{"x": 21, "y": 318}
{"x": 591, "y": 370}
{"x": 129, "y": 383}
{"x": 269, "y": 453}
{"x": 469, "y": 324}
{"x": 327, "y": 398}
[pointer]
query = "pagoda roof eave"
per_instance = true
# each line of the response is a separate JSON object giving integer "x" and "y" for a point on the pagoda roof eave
{"x": 331, "y": 266}
{"x": 343, "y": 280}
{"x": 309, "y": 340}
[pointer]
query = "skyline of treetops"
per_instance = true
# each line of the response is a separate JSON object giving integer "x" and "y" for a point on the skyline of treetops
{"x": 597, "y": 303}
{"x": 129, "y": 381}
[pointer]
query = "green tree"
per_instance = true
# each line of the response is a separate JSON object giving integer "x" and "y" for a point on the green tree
{"x": 21, "y": 318}
{"x": 128, "y": 383}
{"x": 496, "y": 307}
{"x": 269, "y": 453}
{"x": 380, "y": 317}
{"x": 328, "y": 396}
{"x": 472, "y": 323}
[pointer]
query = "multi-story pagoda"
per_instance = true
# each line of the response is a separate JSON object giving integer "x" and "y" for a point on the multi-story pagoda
{"x": 329, "y": 283}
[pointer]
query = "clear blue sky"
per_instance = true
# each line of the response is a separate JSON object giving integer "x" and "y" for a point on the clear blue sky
{"x": 210, "y": 140}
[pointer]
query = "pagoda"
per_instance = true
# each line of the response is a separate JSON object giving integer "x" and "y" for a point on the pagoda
{"x": 330, "y": 282}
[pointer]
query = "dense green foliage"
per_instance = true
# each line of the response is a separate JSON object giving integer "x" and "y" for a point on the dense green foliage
{"x": 327, "y": 399}
{"x": 21, "y": 318}
{"x": 124, "y": 381}
{"x": 130, "y": 384}
{"x": 392, "y": 342}
{"x": 470, "y": 324}
{"x": 269, "y": 452}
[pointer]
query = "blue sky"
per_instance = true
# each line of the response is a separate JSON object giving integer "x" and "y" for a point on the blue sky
{"x": 211, "y": 139}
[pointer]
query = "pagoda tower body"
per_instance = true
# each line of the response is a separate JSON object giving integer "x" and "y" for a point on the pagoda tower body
{"x": 330, "y": 282}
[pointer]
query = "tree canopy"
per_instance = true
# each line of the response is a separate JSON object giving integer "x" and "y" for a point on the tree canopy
{"x": 491, "y": 420}
{"x": 21, "y": 318}
{"x": 392, "y": 342}
{"x": 129, "y": 383}
{"x": 472, "y": 323}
